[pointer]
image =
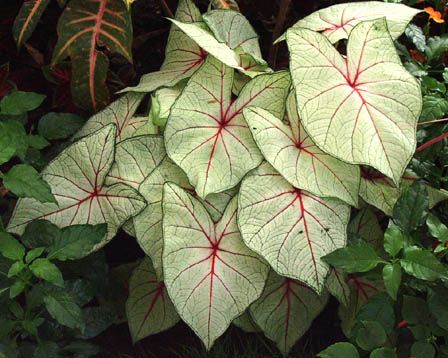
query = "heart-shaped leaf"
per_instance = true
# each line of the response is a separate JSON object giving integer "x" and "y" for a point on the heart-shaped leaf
{"x": 211, "y": 276}
{"x": 148, "y": 308}
{"x": 362, "y": 109}
{"x": 82, "y": 28}
{"x": 246, "y": 323}
{"x": 337, "y": 21}
{"x": 135, "y": 159}
{"x": 292, "y": 229}
{"x": 206, "y": 134}
{"x": 337, "y": 286}
{"x": 290, "y": 150}
{"x": 27, "y": 19}
{"x": 76, "y": 178}
{"x": 121, "y": 113}
{"x": 182, "y": 55}
{"x": 148, "y": 224}
{"x": 286, "y": 310}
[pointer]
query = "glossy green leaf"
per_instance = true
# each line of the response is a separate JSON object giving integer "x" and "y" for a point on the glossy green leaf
{"x": 27, "y": 19}
{"x": 77, "y": 241}
{"x": 290, "y": 228}
{"x": 362, "y": 109}
{"x": 336, "y": 22}
{"x": 359, "y": 257}
{"x": 59, "y": 125}
{"x": 339, "y": 350}
{"x": 422, "y": 264}
{"x": 148, "y": 224}
{"x": 289, "y": 149}
{"x": 148, "y": 308}
{"x": 76, "y": 177}
{"x": 48, "y": 271}
{"x": 182, "y": 55}
{"x": 82, "y": 28}
{"x": 392, "y": 279}
{"x": 13, "y": 140}
{"x": 64, "y": 309}
{"x": 411, "y": 209}
{"x": 10, "y": 247}
{"x": 25, "y": 182}
{"x": 206, "y": 134}
{"x": 211, "y": 276}
{"x": 394, "y": 240}
{"x": 286, "y": 310}
{"x": 436, "y": 228}
{"x": 121, "y": 113}
{"x": 33, "y": 254}
{"x": 19, "y": 102}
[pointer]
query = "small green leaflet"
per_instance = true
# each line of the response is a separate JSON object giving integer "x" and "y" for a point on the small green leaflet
{"x": 148, "y": 224}
{"x": 206, "y": 134}
{"x": 121, "y": 113}
{"x": 148, "y": 308}
{"x": 135, "y": 159}
{"x": 211, "y": 276}
{"x": 18, "y": 102}
{"x": 76, "y": 178}
{"x": 336, "y": 22}
{"x": 182, "y": 55}
{"x": 27, "y": 19}
{"x": 290, "y": 228}
{"x": 362, "y": 109}
{"x": 291, "y": 151}
{"x": 286, "y": 310}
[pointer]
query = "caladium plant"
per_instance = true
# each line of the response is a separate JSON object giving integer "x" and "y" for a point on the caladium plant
{"x": 241, "y": 179}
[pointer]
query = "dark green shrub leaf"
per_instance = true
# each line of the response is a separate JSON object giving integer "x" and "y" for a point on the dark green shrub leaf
{"x": 411, "y": 209}
{"x": 378, "y": 308}
{"x": 19, "y": 102}
{"x": 10, "y": 247}
{"x": 34, "y": 253}
{"x": 81, "y": 290}
{"x": 47, "y": 350}
{"x": 16, "y": 268}
{"x": 392, "y": 279}
{"x": 59, "y": 125}
{"x": 12, "y": 139}
{"x": 340, "y": 350}
{"x": 97, "y": 320}
{"x": 423, "y": 350}
{"x": 433, "y": 107}
{"x": 359, "y": 257}
{"x": 37, "y": 142}
{"x": 64, "y": 309}
{"x": 371, "y": 335}
{"x": 77, "y": 241}
{"x": 383, "y": 353}
{"x": 415, "y": 310}
{"x": 46, "y": 270}
{"x": 422, "y": 264}
{"x": 436, "y": 228}
{"x": 438, "y": 307}
{"x": 40, "y": 233}
{"x": 393, "y": 240}
{"x": 24, "y": 181}
{"x": 81, "y": 348}
{"x": 16, "y": 288}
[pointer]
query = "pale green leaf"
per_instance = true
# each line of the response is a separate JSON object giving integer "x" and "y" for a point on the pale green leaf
{"x": 362, "y": 109}
{"x": 148, "y": 224}
{"x": 206, "y": 134}
{"x": 293, "y": 154}
{"x": 148, "y": 308}
{"x": 336, "y": 22}
{"x": 292, "y": 229}
{"x": 121, "y": 113}
{"x": 211, "y": 276}
{"x": 286, "y": 310}
{"x": 76, "y": 178}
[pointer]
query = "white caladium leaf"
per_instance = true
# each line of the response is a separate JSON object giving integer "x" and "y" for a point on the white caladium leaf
{"x": 362, "y": 109}
{"x": 246, "y": 323}
{"x": 148, "y": 308}
{"x": 365, "y": 224}
{"x": 232, "y": 28}
{"x": 378, "y": 190}
{"x": 206, "y": 134}
{"x": 76, "y": 177}
{"x": 121, "y": 113}
{"x": 135, "y": 159}
{"x": 338, "y": 287}
{"x": 211, "y": 276}
{"x": 291, "y": 228}
{"x": 199, "y": 33}
{"x": 337, "y": 21}
{"x": 290, "y": 150}
{"x": 286, "y": 310}
{"x": 182, "y": 55}
{"x": 148, "y": 224}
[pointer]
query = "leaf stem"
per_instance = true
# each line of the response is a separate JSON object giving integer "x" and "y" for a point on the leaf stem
{"x": 432, "y": 141}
